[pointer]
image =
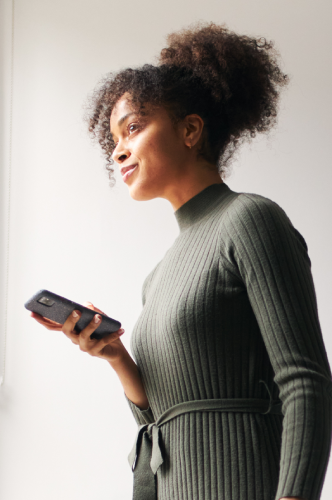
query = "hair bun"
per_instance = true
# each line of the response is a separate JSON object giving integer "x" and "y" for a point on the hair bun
{"x": 241, "y": 72}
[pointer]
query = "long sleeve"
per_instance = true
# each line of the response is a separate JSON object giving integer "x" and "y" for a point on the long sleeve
{"x": 141, "y": 416}
{"x": 270, "y": 257}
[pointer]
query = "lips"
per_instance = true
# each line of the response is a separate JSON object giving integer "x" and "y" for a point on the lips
{"x": 127, "y": 171}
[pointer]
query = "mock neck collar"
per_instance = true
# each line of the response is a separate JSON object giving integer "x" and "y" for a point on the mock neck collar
{"x": 199, "y": 205}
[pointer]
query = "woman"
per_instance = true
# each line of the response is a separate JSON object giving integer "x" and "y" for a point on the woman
{"x": 230, "y": 361}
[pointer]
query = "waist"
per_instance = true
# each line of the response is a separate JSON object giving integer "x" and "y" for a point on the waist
{"x": 152, "y": 430}
{"x": 146, "y": 456}
{"x": 243, "y": 405}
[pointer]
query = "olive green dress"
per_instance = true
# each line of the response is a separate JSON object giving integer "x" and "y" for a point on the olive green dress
{"x": 232, "y": 304}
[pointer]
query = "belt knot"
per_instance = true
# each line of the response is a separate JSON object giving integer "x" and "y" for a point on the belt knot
{"x": 148, "y": 436}
{"x": 146, "y": 456}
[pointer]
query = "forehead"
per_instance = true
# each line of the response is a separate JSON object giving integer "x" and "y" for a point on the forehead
{"x": 121, "y": 108}
{"x": 124, "y": 108}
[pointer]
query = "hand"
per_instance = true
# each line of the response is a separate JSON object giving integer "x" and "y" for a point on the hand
{"x": 109, "y": 347}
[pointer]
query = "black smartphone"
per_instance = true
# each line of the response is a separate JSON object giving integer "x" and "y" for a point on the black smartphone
{"x": 57, "y": 308}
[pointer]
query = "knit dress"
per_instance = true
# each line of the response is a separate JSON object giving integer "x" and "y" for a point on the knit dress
{"x": 231, "y": 312}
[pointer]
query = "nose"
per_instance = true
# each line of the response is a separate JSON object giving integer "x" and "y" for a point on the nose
{"x": 120, "y": 154}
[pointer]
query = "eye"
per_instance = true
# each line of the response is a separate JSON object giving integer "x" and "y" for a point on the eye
{"x": 132, "y": 127}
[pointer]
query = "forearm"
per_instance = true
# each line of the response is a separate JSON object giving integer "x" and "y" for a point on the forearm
{"x": 130, "y": 378}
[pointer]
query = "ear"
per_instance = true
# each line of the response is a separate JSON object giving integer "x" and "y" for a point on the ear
{"x": 193, "y": 128}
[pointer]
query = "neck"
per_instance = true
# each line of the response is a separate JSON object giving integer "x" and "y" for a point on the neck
{"x": 188, "y": 185}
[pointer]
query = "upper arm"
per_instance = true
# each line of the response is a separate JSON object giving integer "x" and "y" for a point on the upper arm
{"x": 271, "y": 257}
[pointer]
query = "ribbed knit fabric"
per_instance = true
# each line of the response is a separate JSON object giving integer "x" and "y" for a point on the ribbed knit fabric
{"x": 233, "y": 303}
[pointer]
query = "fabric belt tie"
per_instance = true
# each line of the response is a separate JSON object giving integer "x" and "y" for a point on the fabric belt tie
{"x": 146, "y": 456}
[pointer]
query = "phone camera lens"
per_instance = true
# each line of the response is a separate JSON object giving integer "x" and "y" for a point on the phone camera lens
{"x": 46, "y": 301}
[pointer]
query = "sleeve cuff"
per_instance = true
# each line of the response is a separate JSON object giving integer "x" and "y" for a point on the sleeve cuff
{"x": 141, "y": 416}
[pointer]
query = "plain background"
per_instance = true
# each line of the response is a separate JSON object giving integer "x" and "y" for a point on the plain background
{"x": 65, "y": 427}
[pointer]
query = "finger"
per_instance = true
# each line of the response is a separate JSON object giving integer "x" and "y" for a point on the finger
{"x": 69, "y": 324}
{"x": 89, "y": 305}
{"x": 39, "y": 316}
{"x": 111, "y": 337}
{"x": 99, "y": 310}
{"x": 74, "y": 337}
{"x": 95, "y": 349}
{"x": 90, "y": 328}
{"x": 48, "y": 323}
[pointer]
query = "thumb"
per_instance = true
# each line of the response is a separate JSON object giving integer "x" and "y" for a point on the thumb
{"x": 89, "y": 305}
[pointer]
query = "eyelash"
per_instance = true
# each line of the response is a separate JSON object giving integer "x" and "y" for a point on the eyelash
{"x": 131, "y": 125}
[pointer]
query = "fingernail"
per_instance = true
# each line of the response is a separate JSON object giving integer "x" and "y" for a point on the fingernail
{"x": 75, "y": 315}
{"x": 97, "y": 318}
{"x": 121, "y": 331}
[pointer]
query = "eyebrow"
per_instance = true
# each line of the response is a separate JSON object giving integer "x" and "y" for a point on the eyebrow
{"x": 120, "y": 122}
{"x": 122, "y": 119}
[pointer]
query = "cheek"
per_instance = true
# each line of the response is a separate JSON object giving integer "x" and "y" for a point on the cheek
{"x": 157, "y": 148}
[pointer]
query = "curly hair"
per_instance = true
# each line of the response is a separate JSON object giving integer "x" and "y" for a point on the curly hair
{"x": 233, "y": 82}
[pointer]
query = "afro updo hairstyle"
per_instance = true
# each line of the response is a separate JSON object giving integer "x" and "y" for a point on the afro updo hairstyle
{"x": 233, "y": 82}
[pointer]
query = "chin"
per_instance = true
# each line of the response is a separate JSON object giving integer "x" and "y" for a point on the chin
{"x": 139, "y": 192}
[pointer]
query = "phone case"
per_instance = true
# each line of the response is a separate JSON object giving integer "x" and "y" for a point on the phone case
{"x": 57, "y": 308}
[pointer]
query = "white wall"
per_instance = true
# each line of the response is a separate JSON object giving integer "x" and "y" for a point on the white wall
{"x": 65, "y": 427}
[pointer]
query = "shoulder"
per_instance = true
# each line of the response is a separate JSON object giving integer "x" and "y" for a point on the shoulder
{"x": 254, "y": 211}
{"x": 247, "y": 207}
{"x": 252, "y": 220}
